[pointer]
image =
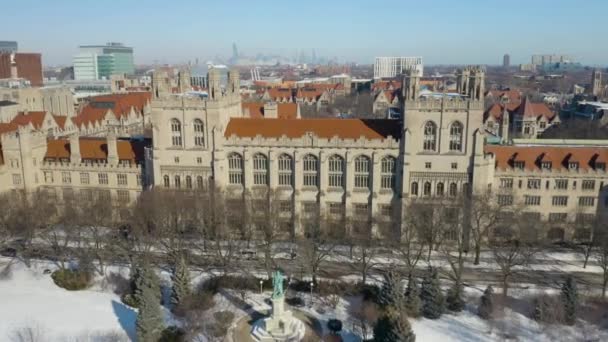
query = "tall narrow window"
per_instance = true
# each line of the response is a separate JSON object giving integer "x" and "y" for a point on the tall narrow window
{"x": 414, "y": 189}
{"x": 199, "y": 182}
{"x": 178, "y": 182}
{"x": 176, "y": 132}
{"x": 387, "y": 179}
{"x": 166, "y": 181}
{"x": 260, "y": 169}
{"x": 336, "y": 171}
{"x": 285, "y": 170}
{"x": 188, "y": 182}
{"x": 456, "y": 136}
{"x": 430, "y": 136}
{"x": 453, "y": 189}
{"x": 439, "y": 191}
{"x": 235, "y": 169}
{"x": 199, "y": 135}
{"x": 427, "y": 189}
{"x": 362, "y": 165}
{"x": 311, "y": 170}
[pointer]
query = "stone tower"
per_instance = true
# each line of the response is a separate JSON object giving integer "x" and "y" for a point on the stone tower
{"x": 160, "y": 84}
{"x": 477, "y": 77}
{"x": 462, "y": 81}
{"x": 215, "y": 85}
{"x": 504, "y": 125}
{"x": 183, "y": 81}
{"x": 411, "y": 85}
{"x": 234, "y": 82}
{"x": 596, "y": 83}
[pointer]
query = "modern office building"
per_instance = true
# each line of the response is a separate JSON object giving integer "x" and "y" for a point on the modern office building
{"x": 551, "y": 59}
{"x": 96, "y": 62}
{"x": 506, "y": 60}
{"x": 8, "y": 46}
{"x": 385, "y": 67}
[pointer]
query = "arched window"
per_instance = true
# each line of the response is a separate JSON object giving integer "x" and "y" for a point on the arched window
{"x": 260, "y": 169}
{"x": 199, "y": 134}
{"x": 439, "y": 191}
{"x": 388, "y": 171}
{"x": 336, "y": 171}
{"x": 362, "y": 165}
{"x": 166, "y": 181}
{"x": 456, "y": 136}
{"x": 235, "y": 169}
{"x": 188, "y": 182}
{"x": 178, "y": 182}
{"x": 285, "y": 170}
{"x": 414, "y": 190}
{"x": 430, "y": 136}
{"x": 427, "y": 189}
{"x": 199, "y": 182}
{"x": 453, "y": 189}
{"x": 311, "y": 170}
{"x": 176, "y": 132}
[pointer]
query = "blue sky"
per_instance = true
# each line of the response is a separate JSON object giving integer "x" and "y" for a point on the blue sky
{"x": 441, "y": 31}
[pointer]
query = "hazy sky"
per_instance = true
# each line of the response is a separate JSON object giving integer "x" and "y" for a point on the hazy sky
{"x": 441, "y": 31}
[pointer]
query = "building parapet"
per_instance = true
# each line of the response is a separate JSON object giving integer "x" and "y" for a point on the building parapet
{"x": 444, "y": 103}
{"x": 311, "y": 140}
{"x": 65, "y": 166}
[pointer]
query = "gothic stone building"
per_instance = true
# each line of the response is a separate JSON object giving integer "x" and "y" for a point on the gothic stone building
{"x": 351, "y": 168}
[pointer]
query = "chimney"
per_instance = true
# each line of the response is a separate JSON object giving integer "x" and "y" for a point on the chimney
{"x": 112, "y": 148}
{"x": 75, "y": 156}
{"x": 271, "y": 110}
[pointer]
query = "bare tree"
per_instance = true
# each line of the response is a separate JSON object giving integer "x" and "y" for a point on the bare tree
{"x": 602, "y": 256}
{"x": 98, "y": 218}
{"x": 317, "y": 244}
{"x": 585, "y": 226}
{"x": 454, "y": 246}
{"x": 484, "y": 212}
{"x": 410, "y": 243}
{"x": 510, "y": 252}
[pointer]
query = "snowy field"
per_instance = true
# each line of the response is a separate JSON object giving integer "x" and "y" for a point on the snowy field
{"x": 29, "y": 298}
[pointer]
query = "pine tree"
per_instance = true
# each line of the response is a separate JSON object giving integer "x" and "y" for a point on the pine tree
{"x": 390, "y": 293}
{"x": 393, "y": 326}
{"x": 145, "y": 278}
{"x": 149, "y": 323}
{"x": 433, "y": 302}
{"x": 485, "y": 309}
{"x": 569, "y": 299}
{"x": 181, "y": 281}
{"x": 454, "y": 298}
{"x": 412, "y": 298}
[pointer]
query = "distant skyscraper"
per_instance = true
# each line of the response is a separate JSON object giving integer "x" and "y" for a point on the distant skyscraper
{"x": 314, "y": 57}
{"x": 393, "y": 66}
{"x": 96, "y": 62}
{"x": 506, "y": 60}
{"x": 8, "y": 46}
{"x": 235, "y": 52}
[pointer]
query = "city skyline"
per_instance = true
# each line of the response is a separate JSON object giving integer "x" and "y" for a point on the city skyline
{"x": 350, "y": 31}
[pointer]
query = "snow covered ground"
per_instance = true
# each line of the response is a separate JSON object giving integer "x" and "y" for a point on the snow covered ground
{"x": 29, "y": 298}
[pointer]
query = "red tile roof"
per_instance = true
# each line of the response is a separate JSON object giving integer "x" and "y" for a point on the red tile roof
{"x": 95, "y": 149}
{"x": 514, "y": 96}
{"x": 8, "y": 127}
{"x": 280, "y": 93}
{"x": 309, "y": 94}
{"x": 120, "y": 104}
{"x": 558, "y": 155}
{"x": 323, "y": 128}
{"x": 288, "y": 110}
{"x": 35, "y": 118}
{"x": 60, "y": 120}
{"x": 386, "y": 85}
{"x": 526, "y": 109}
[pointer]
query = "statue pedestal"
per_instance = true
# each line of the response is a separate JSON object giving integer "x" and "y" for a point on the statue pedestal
{"x": 280, "y": 326}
